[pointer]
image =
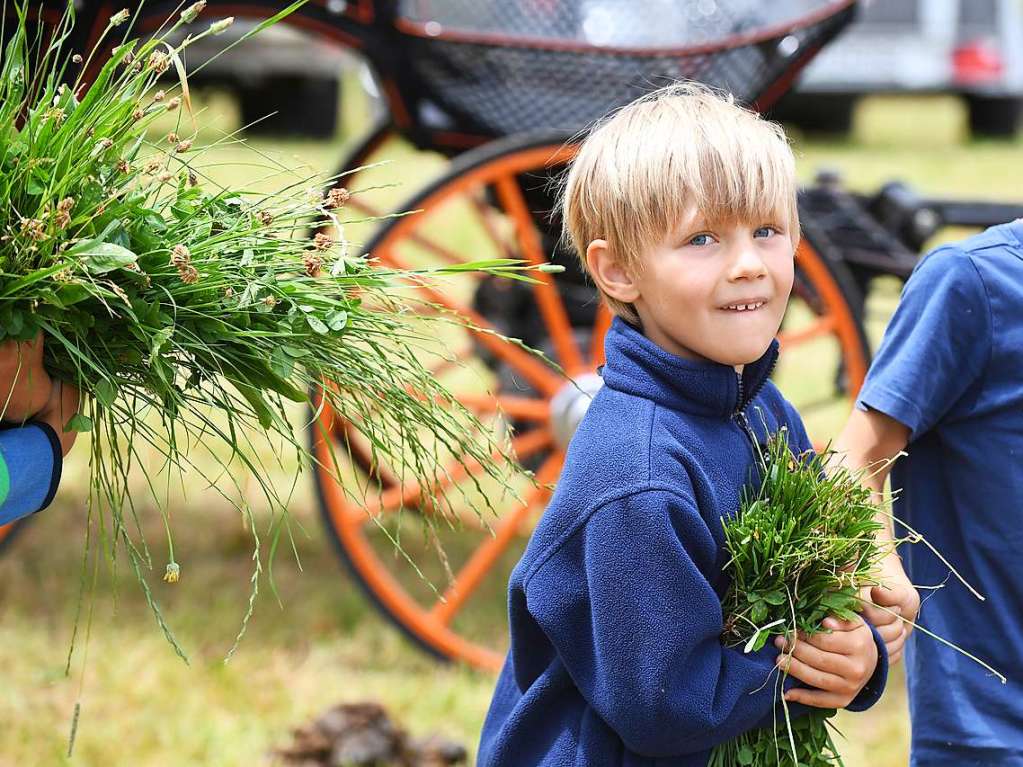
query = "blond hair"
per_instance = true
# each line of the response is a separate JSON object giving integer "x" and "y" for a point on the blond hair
{"x": 642, "y": 168}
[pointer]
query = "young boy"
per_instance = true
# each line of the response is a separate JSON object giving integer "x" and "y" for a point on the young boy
{"x": 33, "y": 442}
{"x": 947, "y": 385}
{"x": 682, "y": 207}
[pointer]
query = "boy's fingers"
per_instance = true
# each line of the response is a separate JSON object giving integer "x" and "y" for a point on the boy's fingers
{"x": 890, "y": 633}
{"x": 809, "y": 675}
{"x": 881, "y": 616}
{"x": 837, "y": 624}
{"x": 815, "y": 698}
{"x": 822, "y": 660}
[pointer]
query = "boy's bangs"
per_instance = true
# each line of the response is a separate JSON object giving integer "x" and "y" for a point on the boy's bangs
{"x": 754, "y": 185}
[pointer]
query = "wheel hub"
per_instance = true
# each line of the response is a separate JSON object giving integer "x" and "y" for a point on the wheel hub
{"x": 570, "y": 404}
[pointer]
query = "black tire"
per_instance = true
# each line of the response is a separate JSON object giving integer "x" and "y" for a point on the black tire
{"x": 821, "y": 113}
{"x": 994, "y": 117}
{"x": 304, "y": 106}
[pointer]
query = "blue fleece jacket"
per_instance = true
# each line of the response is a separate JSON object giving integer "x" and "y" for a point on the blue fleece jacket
{"x": 615, "y": 608}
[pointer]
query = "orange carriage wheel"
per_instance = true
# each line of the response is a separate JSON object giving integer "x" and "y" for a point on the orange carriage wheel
{"x": 496, "y": 201}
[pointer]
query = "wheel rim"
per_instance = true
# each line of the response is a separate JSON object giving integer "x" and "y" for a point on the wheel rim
{"x": 821, "y": 318}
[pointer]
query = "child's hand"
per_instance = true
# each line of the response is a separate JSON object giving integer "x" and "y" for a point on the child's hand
{"x": 24, "y": 383}
{"x": 892, "y": 607}
{"x": 838, "y": 664}
{"x": 61, "y": 407}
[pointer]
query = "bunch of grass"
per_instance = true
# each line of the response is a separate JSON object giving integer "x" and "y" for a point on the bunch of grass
{"x": 192, "y": 315}
{"x": 801, "y": 548}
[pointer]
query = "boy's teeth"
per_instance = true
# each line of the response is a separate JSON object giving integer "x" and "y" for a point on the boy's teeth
{"x": 744, "y": 307}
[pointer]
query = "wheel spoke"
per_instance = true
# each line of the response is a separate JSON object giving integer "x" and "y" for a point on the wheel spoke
{"x": 548, "y": 298}
{"x": 486, "y": 215}
{"x": 539, "y": 375}
{"x": 483, "y": 558}
{"x": 821, "y": 327}
{"x": 519, "y": 408}
{"x": 412, "y": 493}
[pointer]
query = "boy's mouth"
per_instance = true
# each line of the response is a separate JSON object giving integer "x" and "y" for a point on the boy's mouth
{"x": 749, "y": 305}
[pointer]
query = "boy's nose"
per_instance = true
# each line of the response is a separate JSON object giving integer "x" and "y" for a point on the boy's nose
{"x": 747, "y": 265}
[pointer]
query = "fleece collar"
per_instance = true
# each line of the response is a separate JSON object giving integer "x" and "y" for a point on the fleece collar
{"x": 636, "y": 365}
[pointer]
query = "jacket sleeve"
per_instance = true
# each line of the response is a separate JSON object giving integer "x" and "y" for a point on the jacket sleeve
{"x": 626, "y": 603}
{"x": 30, "y": 465}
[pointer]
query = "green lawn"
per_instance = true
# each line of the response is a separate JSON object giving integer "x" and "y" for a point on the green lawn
{"x": 323, "y": 643}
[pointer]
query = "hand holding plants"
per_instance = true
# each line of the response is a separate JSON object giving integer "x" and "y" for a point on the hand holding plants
{"x": 59, "y": 409}
{"x": 24, "y": 383}
{"x": 892, "y": 606}
{"x": 838, "y": 663}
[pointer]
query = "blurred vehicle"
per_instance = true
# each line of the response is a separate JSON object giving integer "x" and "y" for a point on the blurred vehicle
{"x": 969, "y": 47}
{"x": 287, "y": 82}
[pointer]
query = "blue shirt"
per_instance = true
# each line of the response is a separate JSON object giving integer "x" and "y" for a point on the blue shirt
{"x": 950, "y": 368}
{"x": 30, "y": 466}
{"x": 615, "y": 608}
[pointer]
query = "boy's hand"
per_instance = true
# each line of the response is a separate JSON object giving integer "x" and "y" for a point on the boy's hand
{"x": 61, "y": 407}
{"x": 838, "y": 664}
{"x": 896, "y": 594}
{"x": 24, "y": 383}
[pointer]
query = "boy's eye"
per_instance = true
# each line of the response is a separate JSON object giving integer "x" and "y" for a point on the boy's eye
{"x": 701, "y": 239}
{"x": 765, "y": 231}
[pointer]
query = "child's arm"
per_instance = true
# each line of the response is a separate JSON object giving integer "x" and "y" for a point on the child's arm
{"x": 24, "y": 383}
{"x": 869, "y": 441}
{"x": 31, "y": 456}
{"x": 844, "y": 667}
{"x": 627, "y": 603}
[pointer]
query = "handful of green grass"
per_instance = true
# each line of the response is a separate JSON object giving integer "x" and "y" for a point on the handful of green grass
{"x": 192, "y": 315}
{"x": 800, "y": 549}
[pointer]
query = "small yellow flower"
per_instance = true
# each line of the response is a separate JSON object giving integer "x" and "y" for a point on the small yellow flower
{"x": 173, "y": 574}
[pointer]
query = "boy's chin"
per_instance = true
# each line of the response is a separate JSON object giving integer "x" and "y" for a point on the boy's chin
{"x": 743, "y": 354}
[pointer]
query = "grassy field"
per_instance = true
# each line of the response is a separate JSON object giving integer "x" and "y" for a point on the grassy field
{"x": 323, "y": 643}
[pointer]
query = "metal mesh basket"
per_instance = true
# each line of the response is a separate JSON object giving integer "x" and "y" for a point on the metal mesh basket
{"x": 506, "y": 66}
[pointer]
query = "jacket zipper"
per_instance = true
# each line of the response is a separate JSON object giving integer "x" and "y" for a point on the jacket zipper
{"x": 739, "y": 416}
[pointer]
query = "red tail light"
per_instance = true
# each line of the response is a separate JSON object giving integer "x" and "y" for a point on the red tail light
{"x": 977, "y": 62}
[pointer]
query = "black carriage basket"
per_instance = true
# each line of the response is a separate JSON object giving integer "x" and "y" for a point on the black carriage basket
{"x": 501, "y": 67}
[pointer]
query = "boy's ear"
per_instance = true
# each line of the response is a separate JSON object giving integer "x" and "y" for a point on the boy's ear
{"x": 610, "y": 276}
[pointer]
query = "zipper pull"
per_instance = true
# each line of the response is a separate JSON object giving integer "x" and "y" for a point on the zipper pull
{"x": 738, "y": 401}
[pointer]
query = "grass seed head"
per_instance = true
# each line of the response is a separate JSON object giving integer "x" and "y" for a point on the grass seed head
{"x": 265, "y": 217}
{"x": 219, "y": 26}
{"x": 191, "y": 13}
{"x": 159, "y": 62}
{"x": 312, "y": 263}
{"x": 322, "y": 241}
{"x": 120, "y": 17}
{"x": 337, "y": 197}
{"x": 33, "y": 228}
{"x": 77, "y": 59}
{"x": 183, "y": 146}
